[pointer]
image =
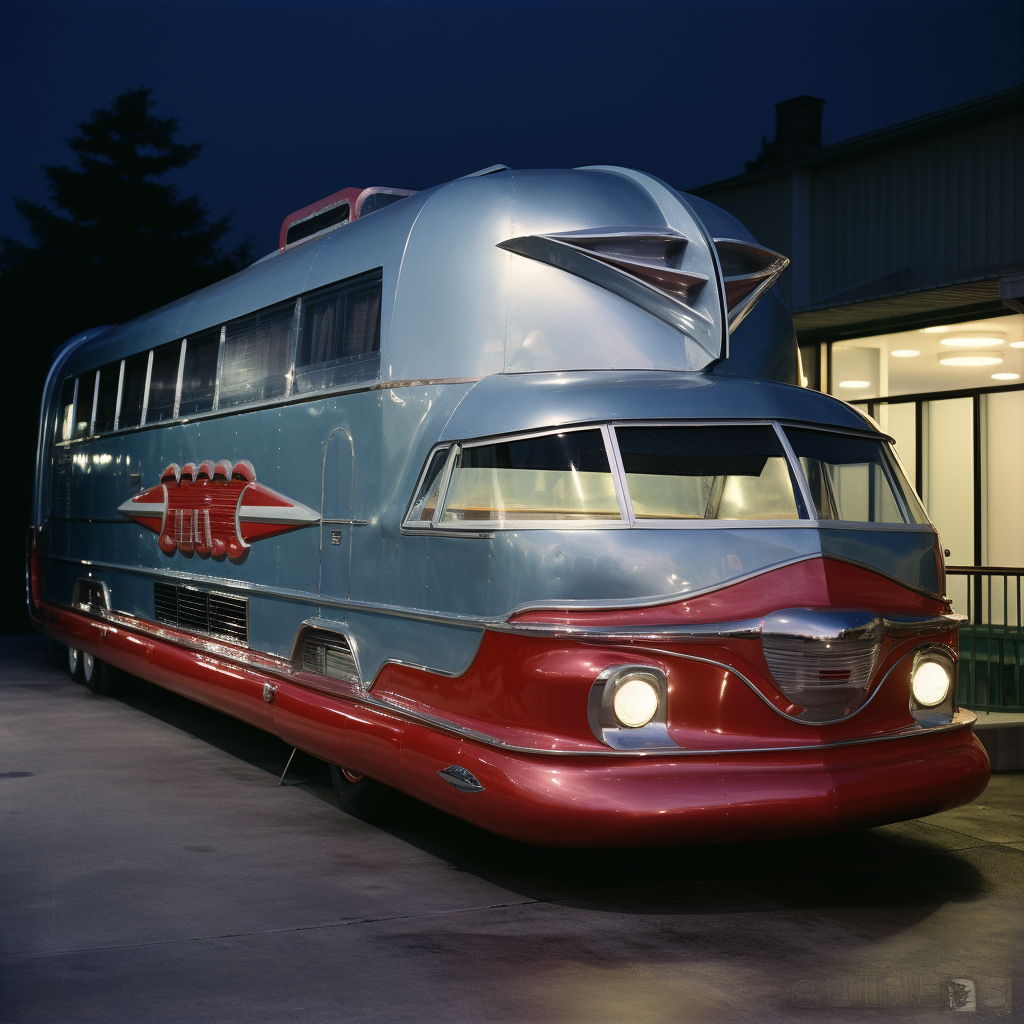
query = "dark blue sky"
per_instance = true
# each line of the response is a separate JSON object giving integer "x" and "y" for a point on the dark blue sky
{"x": 296, "y": 100}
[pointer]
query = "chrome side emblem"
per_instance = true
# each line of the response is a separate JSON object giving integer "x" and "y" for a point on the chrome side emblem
{"x": 461, "y": 779}
{"x": 214, "y": 510}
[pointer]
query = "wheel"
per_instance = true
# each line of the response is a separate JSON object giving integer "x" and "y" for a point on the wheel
{"x": 75, "y": 664}
{"x": 97, "y": 675}
{"x": 360, "y": 796}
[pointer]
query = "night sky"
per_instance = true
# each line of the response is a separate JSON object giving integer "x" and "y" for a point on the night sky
{"x": 296, "y": 100}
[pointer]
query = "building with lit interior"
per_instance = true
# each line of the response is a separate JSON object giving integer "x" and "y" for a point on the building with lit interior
{"x": 907, "y": 289}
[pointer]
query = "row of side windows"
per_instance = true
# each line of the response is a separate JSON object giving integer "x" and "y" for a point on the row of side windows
{"x": 319, "y": 340}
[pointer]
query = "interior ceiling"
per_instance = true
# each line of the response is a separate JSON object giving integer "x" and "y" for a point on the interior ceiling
{"x": 871, "y": 361}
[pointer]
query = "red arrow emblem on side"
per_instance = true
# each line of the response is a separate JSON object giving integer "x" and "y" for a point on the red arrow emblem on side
{"x": 214, "y": 511}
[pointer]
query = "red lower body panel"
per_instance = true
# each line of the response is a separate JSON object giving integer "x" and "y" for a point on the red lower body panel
{"x": 577, "y": 801}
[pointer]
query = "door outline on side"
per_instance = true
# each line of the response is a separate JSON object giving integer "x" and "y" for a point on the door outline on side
{"x": 325, "y": 522}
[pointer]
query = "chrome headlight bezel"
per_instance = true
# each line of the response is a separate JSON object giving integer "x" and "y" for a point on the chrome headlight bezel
{"x": 934, "y": 711}
{"x": 606, "y": 724}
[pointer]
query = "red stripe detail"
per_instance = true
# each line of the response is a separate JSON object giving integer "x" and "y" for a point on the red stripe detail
{"x": 816, "y": 582}
{"x": 569, "y": 802}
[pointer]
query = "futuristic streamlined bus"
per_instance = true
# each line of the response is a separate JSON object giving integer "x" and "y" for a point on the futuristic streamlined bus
{"x": 505, "y": 494}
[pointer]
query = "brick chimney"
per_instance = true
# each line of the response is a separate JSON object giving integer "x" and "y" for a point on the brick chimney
{"x": 797, "y": 133}
{"x": 798, "y": 127}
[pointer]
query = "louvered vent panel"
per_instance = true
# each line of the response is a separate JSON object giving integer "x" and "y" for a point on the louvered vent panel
{"x": 313, "y": 656}
{"x": 329, "y": 656}
{"x": 165, "y": 598}
{"x": 338, "y": 661}
{"x": 200, "y": 612}
{"x": 193, "y": 610}
{"x": 229, "y": 617}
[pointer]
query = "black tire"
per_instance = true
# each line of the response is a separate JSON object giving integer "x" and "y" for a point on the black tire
{"x": 360, "y": 796}
{"x": 75, "y": 664}
{"x": 98, "y": 676}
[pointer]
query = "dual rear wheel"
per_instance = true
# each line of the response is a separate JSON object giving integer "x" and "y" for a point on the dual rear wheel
{"x": 358, "y": 795}
{"x": 98, "y": 676}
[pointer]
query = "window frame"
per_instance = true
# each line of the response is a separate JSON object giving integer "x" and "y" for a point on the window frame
{"x": 487, "y": 527}
{"x": 368, "y": 378}
{"x": 806, "y": 508}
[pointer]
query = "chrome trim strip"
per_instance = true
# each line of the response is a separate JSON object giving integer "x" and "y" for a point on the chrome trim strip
{"x": 95, "y": 402}
{"x": 912, "y": 625}
{"x": 281, "y": 669}
{"x": 352, "y": 387}
{"x": 622, "y": 495}
{"x": 748, "y": 629}
{"x": 398, "y": 611}
{"x": 456, "y": 619}
{"x": 120, "y": 390}
{"x": 796, "y": 474}
{"x": 901, "y": 626}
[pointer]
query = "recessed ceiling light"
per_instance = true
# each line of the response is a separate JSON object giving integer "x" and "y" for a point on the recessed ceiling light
{"x": 1017, "y": 344}
{"x": 975, "y": 360}
{"x": 972, "y": 340}
{"x": 904, "y": 353}
{"x": 858, "y": 383}
{"x": 1005, "y": 376}
{"x": 935, "y": 330}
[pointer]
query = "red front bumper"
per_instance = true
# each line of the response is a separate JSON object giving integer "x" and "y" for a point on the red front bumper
{"x": 580, "y": 800}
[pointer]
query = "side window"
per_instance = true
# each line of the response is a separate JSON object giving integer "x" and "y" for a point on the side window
{"x": 83, "y": 403}
{"x": 257, "y": 356}
{"x": 849, "y": 477}
{"x": 106, "y": 398}
{"x": 65, "y": 425}
{"x": 163, "y": 382}
{"x": 707, "y": 472}
{"x": 133, "y": 390}
{"x": 553, "y": 477}
{"x": 339, "y": 334}
{"x": 425, "y": 503}
{"x": 199, "y": 378}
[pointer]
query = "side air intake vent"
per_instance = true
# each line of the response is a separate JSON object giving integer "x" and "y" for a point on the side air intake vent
{"x": 822, "y": 660}
{"x": 329, "y": 656}
{"x": 200, "y": 612}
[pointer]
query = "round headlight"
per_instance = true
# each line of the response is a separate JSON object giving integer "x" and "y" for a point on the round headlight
{"x": 635, "y": 703}
{"x": 930, "y": 683}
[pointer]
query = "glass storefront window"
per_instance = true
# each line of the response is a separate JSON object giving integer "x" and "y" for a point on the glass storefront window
{"x": 952, "y": 357}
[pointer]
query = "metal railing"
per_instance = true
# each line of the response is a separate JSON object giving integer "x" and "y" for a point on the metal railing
{"x": 992, "y": 640}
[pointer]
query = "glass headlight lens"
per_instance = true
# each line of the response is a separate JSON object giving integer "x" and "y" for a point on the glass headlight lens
{"x": 635, "y": 703}
{"x": 930, "y": 682}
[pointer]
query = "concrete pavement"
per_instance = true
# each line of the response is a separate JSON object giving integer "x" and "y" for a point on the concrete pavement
{"x": 152, "y": 870}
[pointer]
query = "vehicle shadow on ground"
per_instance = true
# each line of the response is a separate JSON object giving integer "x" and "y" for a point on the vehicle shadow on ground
{"x": 904, "y": 868}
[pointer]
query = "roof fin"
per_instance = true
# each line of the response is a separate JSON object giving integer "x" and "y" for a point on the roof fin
{"x": 493, "y": 169}
{"x": 748, "y": 271}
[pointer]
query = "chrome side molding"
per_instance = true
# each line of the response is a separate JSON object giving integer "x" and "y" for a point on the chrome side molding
{"x": 896, "y": 626}
{"x": 461, "y": 779}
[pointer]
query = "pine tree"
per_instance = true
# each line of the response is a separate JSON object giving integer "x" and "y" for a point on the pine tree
{"x": 115, "y": 241}
{"x": 120, "y": 241}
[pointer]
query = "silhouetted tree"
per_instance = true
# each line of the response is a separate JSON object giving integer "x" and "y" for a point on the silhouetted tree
{"x": 120, "y": 241}
{"x": 115, "y": 241}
